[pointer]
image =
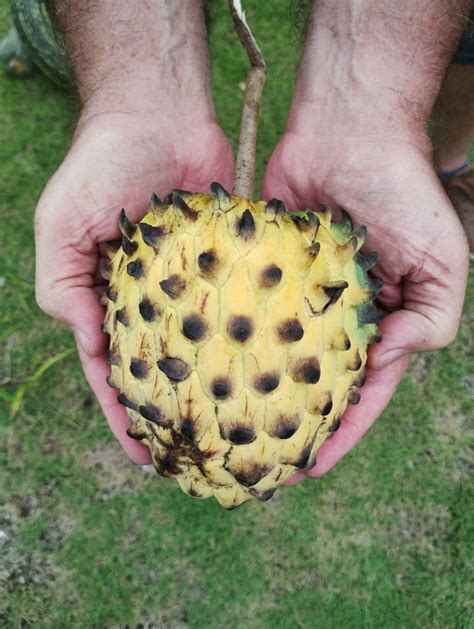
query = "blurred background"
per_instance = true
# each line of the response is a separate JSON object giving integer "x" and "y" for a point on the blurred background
{"x": 89, "y": 539}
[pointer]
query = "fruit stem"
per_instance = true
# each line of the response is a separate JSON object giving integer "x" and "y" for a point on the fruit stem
{"x": 245, "y": 166}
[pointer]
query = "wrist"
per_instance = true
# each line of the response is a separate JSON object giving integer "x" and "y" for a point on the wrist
{"x": 139, "y": 58}
{"x": 137, "y": 102}
{"x": 374, "y": 70}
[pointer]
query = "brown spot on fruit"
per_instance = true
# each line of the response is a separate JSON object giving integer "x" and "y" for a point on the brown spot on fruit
{"x": 111, "y": 293}
{"x": 327, "y": 408}
{"x": 174, "y": 368}
{"x": 207, "y": 262}
{"x": 290, "y": 331}
{"x": 147, "y": 310}
{"x": 251, "y": 474}
{"x": 353, "y": 396}
{"x": 305, "y": 460}
{"x": 356, "y": 363}
{"x": 263, "y": 495}
{"x": 240, "y": 328}
{"x": 136, "y": 434}
{"x": 246, "y": 225}
{"x": 110, "y": 382}
{"x": 221, "y": 388}
{"x": 135, "y": 269}
{"x": 360, "y": 379}
{"x": 122, "y": 399}
{"x": 121, "y": 316}
{"x": 112, "y": 356}
{"x": 306, "y": 370}
{"x": 334, "y": 292}
{"x": 139, "y": 368}
{"x": 268, "y": 382}
{"x": 129, "y": 246}
{"x": 286, "y": 427}
{"x": 174, "y": 286}
{"x": 152, "y": 413}
{"x": 151, "y": 235}
{"x": 187, "y": 428}
{"x": 271, "y": 276}
{"x": 241, "y": 435}
{"x": 168, "y": 465}
{"x": 194, "y": 327}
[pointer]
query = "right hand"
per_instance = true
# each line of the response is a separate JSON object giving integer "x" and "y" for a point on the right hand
{"x": 116, "y": 160}
{"x": 389, "y": 185}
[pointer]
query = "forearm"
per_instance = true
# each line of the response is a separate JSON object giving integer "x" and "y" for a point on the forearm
{"x": 375, "y": 64}
{"x": 150, "y": 56}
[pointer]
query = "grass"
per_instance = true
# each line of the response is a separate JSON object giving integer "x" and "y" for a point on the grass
{"x": 89, "y": 540}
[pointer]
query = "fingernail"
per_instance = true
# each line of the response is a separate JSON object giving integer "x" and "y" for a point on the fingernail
{"x": 82, "y": 339}
{"x": 390, "y": 357}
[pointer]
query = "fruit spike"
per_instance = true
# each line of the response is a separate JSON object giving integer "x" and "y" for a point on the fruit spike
{"x": 246, "y": 225}
{"x": 127, "y": 228}
{"x": 276, "y": 207}
{"x": 129, "y": 246}
{"x": 367, "y": 262}
{"x": 220, "y": 195}
{"x": 346, "y": 221}
{"x": 376, "y": 285}
{"x": 111, "y": 248}
{"x": 106, "y": 269}
{"x": 155, "y": 205}
{"x": 368, "y": 313}
{"x": 151, "y": 235}
{"x": 180, "y": 204}
{"x": 334, "y": 292}
{"x": 175, "y": 368}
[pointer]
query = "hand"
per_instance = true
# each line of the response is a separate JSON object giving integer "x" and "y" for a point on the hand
{"x": 387, "y": 183}
{"x": 116, "y": 160}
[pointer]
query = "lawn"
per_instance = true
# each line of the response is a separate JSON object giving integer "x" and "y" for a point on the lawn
{"x": 87, "y": 539}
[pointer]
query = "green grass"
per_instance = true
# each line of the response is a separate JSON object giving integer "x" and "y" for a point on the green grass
{"x": 385, "y": 540}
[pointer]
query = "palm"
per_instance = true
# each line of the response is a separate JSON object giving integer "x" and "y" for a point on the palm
{"x": 112, "y": 164}
{"x": 393, "y": 190}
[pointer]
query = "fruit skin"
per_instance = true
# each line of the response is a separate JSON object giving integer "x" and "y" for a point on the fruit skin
{"x": 238, "y": 335}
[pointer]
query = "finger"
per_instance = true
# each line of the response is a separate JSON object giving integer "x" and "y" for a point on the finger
{"x": 432, "y": 305}
{"x": 390, "y": 296}
{"x": 96, "y": 370}
{"x": 406, "y": 331}
{"x": 295, "y": 479}
{"x": 376, "y": 394}
{"x": 65, "y": 271}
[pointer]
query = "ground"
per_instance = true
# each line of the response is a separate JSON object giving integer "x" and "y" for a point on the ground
{"x": 88, "y": 539}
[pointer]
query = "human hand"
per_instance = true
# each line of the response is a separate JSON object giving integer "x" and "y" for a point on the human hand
{"x": 356, "y": 139}
{"x": 116, "y": 160}
{"x": 387, "y": 183}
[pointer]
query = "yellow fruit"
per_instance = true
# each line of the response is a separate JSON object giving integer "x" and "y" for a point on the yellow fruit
{"x": 238, "y": 334}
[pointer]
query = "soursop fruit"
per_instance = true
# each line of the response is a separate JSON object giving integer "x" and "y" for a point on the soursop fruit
{"x": 238, "y": 335}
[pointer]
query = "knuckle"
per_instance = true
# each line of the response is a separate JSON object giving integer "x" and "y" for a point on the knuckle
{"x": 446, "y": 333}
{"x": 44, "y": 299}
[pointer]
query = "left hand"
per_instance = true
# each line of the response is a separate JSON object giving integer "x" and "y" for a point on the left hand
{"x": 116, "y": 160}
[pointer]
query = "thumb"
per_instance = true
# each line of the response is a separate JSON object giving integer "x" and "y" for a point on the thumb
{"x": 78, "y": 307}
{"x": 407, "y": 331}
{"x": 65, "y": 280}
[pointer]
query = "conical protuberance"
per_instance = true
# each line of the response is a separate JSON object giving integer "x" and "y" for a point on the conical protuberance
{"x": 238, "y": 335}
